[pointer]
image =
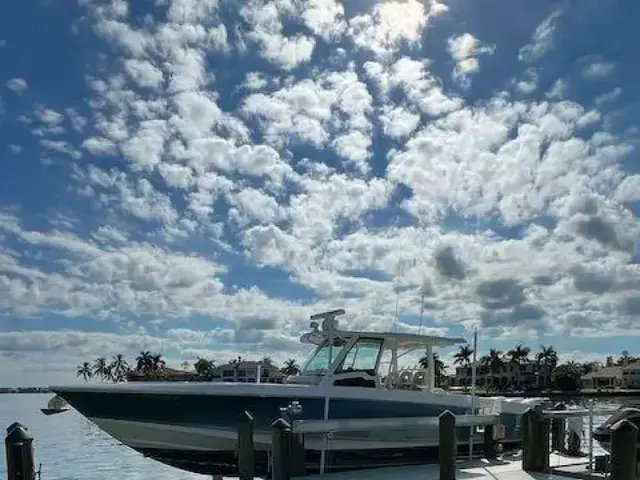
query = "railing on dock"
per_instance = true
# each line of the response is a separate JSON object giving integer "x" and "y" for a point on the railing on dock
{"x": 288, "y": 439}
{"x": 543, "y": 431}
{"x": 329, "y": 427}
{"x": 556, "y": 430}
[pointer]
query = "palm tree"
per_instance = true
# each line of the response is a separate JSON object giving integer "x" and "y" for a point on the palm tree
{"x": 463, "y": 357}
{"x": 100, "y": 368}
{"x": 235, "y": 364}
{"x": 144, "y": 362}
{"x": 547, "y": 358}
{"x": 119, "y": 368}
{"x": 157, "y": 364}
{"x": 185, "y": 365}
{"x": 517, "y": 357}
{"x": 494, "y": 363}
{"x": 438, "y": 366}
{"x": 290, "y": 367}
{"x": 85, "y": 371}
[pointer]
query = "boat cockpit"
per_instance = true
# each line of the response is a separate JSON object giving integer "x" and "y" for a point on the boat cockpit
{"x": 366, "y": 359}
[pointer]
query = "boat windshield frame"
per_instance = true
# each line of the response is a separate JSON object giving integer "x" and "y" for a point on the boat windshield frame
{"x": 339, "y": 344}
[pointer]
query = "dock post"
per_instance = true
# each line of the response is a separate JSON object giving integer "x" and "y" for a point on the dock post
{"x": 624, "y": 438}
{"x": 558, "y": 430}
{"x": 297, "y": 467}
{"x": 448, "y": 449}
{"x": 280, "y": 443}
{"x": 490, "y": 451}
{"x": 246, "y": 463}
{"x": 19, "y": 450}
{"x": 535, "y": 441}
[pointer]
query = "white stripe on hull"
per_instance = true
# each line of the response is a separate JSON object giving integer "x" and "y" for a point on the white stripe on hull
{"x": 176, "y": 437}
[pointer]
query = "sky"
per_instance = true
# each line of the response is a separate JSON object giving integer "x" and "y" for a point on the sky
{"x": 197, "y": 177}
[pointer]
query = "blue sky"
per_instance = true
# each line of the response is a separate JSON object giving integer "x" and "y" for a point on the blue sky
{"x": 198, "y": 177}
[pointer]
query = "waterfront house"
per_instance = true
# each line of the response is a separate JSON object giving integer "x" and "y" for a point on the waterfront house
{"x": 605, "y": 377}
{"x": 247, "y": 371}
{"x": 521, "y": 376}
{"x": 631, "y": 375}
{"x": 617, "y": 376}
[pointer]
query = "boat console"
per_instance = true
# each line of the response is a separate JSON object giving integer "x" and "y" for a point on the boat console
{"x": 344, "y": 358}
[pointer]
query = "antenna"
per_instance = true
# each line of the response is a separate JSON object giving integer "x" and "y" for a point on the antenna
{"x": 395, "y": 325}
{"x": 421, "y": 309}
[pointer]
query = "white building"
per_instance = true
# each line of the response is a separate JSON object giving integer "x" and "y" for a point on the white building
{"x": 519, "y": 376}
{"x": 247, "y": 371}
{"x": 627, "y": 376}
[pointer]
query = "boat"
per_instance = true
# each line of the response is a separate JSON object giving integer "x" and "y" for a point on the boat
{"x": 55, "y": 405}
{"x": 602, "y": 434}
{"x": 349, "y": 374}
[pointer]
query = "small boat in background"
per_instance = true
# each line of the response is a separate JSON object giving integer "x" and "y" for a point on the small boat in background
{"x": 56, "y": 405}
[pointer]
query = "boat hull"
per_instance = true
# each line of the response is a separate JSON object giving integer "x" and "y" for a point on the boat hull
{"x": 195, "y": 429}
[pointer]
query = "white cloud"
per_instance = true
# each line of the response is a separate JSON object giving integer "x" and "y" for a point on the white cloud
{"x": 464, "y": 49}
{"x": 391, "y": 23}
{"x": 349, "y": 174}
{"x": 543, "y": 37}
{"x": 17, "y": 85}
{"x": 266, "y": 30}
{"x": 605, "y": 99}
{"x": 598, "y": 70}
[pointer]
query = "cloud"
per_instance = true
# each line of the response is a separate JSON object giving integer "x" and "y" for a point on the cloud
{"x": 542, "y": 40}
{"x": 464, "y": 49}
{"x": 217, "y": 174}
{"x": 17, "y": 85}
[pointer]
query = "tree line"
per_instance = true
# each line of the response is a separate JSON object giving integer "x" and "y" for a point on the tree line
{"x": 549, "y": 373}
{"x": 153, "y": 365}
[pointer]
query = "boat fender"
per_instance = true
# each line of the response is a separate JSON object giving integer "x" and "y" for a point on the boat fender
{"x": 575, "y": 430}
{"x": 573, "y": 444}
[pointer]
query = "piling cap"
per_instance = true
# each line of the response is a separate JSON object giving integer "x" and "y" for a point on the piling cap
{"x": 245, "y": 416}
{"x": 18, "y": 434}
{"x": 14, "y": 425}
{"x": 446, "y": 414}
{"x": 281, "y": 424}
{"x": 624, "y": 425}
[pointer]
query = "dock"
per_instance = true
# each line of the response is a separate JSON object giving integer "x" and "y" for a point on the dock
{"x": 507, "y": 468}
{"x": 548, "y": 451}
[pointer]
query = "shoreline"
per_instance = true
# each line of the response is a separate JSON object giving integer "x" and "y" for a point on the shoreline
{"x": 565, "y": 394}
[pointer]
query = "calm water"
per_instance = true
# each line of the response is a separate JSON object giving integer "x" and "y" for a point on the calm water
{"x": 71, "y": 448}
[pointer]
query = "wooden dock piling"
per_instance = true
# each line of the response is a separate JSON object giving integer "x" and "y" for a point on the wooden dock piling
{"x": 558, "y": 430}
{"x": 490, "y": 444}
{"x": 448, "y": 449}
{"x": 624, "y": 450}
{"x": 246, "y": 461}
{"x": 19, "y": 452}
{"x": 280, "y": 449}
{"x": 535, "y": 441}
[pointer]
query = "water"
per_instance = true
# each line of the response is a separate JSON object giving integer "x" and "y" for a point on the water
{"x": 72, "y": 448}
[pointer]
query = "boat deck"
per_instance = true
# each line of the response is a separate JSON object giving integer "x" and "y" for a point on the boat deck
{"x": 507, "y": 468}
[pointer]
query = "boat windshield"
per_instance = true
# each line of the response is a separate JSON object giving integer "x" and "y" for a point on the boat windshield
{"x": 319, "y": 361}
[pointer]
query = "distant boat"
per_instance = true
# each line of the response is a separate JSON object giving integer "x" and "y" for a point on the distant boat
{"x": 56, "y": 405}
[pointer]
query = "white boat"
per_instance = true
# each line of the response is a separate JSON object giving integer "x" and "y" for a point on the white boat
{"x": 349, "y": 374}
